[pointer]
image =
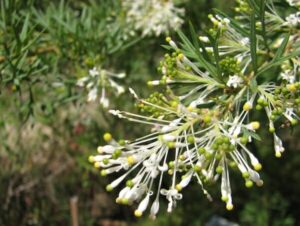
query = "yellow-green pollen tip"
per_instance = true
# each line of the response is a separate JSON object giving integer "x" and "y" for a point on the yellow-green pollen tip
{"x": 107, "y": 137}
{"x": 97, "y": 165}
{"x": 229, "y": 207}
{"x": 138, "y": 213}
{"x": 109, "y": 188}
{"x": 91, "y": 159}
{"x": 168, "y": 39}
{"x": 247, "y": 106}
{"x": 178, "y": 187}
{"x": 257, "y": 166}
{"x": 224, "y": 198}
{"x": 291, "y": 87}
{"x": 255, "y": 125}
{"x": 249, "y": 183}
{"x": 103, "y": 173}
{"x": 130, "y": 160}
{"x": 278, "y": 154}
{"x": 180, "y": 56}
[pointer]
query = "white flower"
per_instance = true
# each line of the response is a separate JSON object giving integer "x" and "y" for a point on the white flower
{"x": 153, "y": 17}
{"x": 172, "y": 195}
{"x": 278, "y": 146}
{"x": 97, "y": 81}
{"x": 294, "y": 2}
{"x": 288, "y": 75}
{"x": 234, "y": 81}
{"x": 293, "y": 20}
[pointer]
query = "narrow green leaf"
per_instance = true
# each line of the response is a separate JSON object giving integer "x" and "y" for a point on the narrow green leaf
{"x": 263, "y": 23}
{"x": 253, "y": 42}
{"x": 190, "y": 50}
{"x": 277, "y": 62}
{"x": 197, "y": 43}
{"x": 215, "y": 46}
{"x": 207, "y": 105}
{"x": 254, "y": 6}
{"x": 252, "y": 134}
{"x": 24, "y": 31}
{"x": 281, "y": 49}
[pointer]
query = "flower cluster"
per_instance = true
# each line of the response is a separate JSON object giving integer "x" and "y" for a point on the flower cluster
{"x": 97, "y": 81}
{"x": 153, "y": 17}
{"x": 294, "y": 2}
{"x": 203, "y": 123}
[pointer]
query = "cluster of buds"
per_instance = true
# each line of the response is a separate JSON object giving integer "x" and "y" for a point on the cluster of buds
{"x": 203, "y": 123}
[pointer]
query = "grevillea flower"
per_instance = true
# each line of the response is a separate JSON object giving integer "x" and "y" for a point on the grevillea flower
{"x": 153, "y": 17}
{"x": 97, "y": 82}
{"x": 202, "y": 125}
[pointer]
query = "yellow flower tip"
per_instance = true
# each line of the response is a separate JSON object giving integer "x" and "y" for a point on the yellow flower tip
{"x": 178, "y": 187}
{"x": 291, "y": 87}
{"x": 97, "y": 165}
{"x": 109, "y": 188}
{"x": 255, "y": 125}
{"x": 168, "y": 39}
{"x": 229, "y": 206}
{"x": 103, "y": 173}
{"x": 207, "y": 119}
{"x": 190, "y": 108}
{"x": 224, "y": 198}
{"x": 125, "y": 201}
{"x": 91, "y": 159}
{"x": 260, "y": 183}
{"x": 180, "y": 56}
{"x": 182, "y": 157}
{"x": 130, "y": 160}
{"x": 257, "y": 166}
{"x": 100, "y": 150}
{"x": 107, "y": 137}
{"x": 249, "y": 184}
{"x": 118, "y": 200}
{"x": 247, "y": 106}
{"x": 138, "y": 213}
{"x": 174, "y": 104}
{"x": 171, "y": 144}
{"x": 170, "y": 172}
{"x": 278, "y": 154}
{"x": 272, "y": 130}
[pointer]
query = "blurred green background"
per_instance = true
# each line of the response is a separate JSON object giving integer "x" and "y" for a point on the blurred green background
{"x": 47, "y": 130}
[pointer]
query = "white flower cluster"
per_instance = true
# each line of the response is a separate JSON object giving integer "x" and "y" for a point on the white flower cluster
{"x": 293, "y": 20}
{"x": 203, "y": 123}
{"x": 96, "y": 83}
{"x": 294, "y": 2}
{"x": 153, "y": 17}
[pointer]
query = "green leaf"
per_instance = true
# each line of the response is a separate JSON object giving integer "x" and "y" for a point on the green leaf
{"x": 24, "y": 31}
{"x": 215, "y": 46}
{"x": 190, "y": 50}
{"x": 206, "y": 105}
{"x": 282, "y": 47}
{"x": 277, "y": 62}
{"x": 251, "y": 134}
{"x": 253, "y": 84}
{"x": 254, "y": 6}
{"x": 253, "y": 42}
{"x": 263, "y": 23}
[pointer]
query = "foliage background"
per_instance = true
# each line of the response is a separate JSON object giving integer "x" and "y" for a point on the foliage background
{"x": 48, "y": 131}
